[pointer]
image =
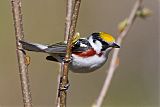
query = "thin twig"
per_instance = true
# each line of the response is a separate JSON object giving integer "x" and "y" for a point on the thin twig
{"x": 69, "y": 9}
{"x": 62, "y": 92}
{"x": 23, "y": 69}
{"x": 113, "y": 65}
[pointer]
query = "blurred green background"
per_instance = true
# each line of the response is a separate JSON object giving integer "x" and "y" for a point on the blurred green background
{"x": 135, "y": 83}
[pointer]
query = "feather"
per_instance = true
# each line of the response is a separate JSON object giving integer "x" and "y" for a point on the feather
{"x": 58, "y": 48}
{"x": 32, "y": 46}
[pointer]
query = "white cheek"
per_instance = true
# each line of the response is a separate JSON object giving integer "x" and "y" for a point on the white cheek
{"x": 97, "y": 45}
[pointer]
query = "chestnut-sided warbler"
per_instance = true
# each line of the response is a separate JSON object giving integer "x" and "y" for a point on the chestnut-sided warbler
{"x": 88, "y": 54}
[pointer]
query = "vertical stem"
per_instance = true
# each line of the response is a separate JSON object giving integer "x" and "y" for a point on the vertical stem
{"x": 69, "y": 10}
{"x": 113, "y": 66}
{"x": 23, "y": 69}
{"x": 69, "y": 32}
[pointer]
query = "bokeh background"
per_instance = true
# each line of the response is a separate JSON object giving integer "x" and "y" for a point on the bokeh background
{"x": 135, "y": 83}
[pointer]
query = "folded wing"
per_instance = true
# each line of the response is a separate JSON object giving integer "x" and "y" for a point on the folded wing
{"x": 80, "y": 46}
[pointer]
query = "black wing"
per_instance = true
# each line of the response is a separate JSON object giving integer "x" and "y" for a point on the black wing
{"x": 81, "y": 45}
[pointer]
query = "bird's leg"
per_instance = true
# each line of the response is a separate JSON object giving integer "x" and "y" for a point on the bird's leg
{"x": 68, "y": 60}
{"x": 27, "y": 57}
{"x": 63, "y": 87}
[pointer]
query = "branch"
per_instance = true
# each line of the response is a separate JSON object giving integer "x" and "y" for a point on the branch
{"x": 23, "y": 69}
{"x": 69, "y": 32}
{"x": 113, "y": 64}
{"x": 69, "y": 10}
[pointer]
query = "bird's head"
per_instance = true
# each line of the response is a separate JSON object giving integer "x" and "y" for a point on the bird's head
{"x": 102, "y": 41}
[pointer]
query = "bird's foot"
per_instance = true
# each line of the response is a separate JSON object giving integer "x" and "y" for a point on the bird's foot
{"x": 63, "y": 87}
{"x": 68, "y": 60}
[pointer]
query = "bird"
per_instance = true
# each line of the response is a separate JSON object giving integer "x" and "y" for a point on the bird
{"x": 88, "y": 54}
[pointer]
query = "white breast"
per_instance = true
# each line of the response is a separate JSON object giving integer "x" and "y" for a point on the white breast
{"x": 88, "y": 64}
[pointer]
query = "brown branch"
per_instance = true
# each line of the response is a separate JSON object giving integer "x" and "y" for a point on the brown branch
{"x": 62, "y": 92}
{"x": 23, "y": 69}
{"x": 66, "y": 33}
{"x": 113, "y": 64}
{"x": 69, "y": 10}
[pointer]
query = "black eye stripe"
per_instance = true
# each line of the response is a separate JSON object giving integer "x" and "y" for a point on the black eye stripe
{"x": 104, "y": 46}
{"x": 104, "y": 43}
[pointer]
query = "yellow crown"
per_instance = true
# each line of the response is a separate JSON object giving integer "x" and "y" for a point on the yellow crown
{"x": 107, "y": 37}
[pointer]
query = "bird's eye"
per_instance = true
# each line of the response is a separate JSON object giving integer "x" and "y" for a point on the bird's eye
{"x": 94, "y": 41}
